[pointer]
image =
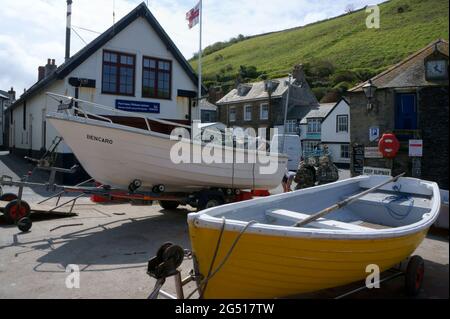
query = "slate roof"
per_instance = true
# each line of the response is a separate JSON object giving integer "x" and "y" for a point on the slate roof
{"x": 319, "y": 112}
{"x": 408, "y": 73}
{"x": 67, "y": 67}
{"x": 4, "y": 95}
{"x": 206, "y": 105}
{"x": 257, "y": 92}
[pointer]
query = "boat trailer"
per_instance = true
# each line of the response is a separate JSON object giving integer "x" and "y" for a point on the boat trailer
{"x": 169, "y": 258}
{"x": 17, "y": 211}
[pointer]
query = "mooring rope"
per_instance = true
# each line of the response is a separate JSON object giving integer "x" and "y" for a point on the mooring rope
{"x": 398, "y": 198}
{"x": 211, "y": 273}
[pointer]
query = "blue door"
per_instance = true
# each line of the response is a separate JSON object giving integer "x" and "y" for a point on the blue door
{"x": 406, "y": 112}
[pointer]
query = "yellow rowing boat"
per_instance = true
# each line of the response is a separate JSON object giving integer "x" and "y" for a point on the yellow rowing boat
{"x": 252, "y": 250}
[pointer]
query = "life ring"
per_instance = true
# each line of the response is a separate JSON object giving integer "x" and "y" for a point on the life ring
{"x": 389, "y": 145}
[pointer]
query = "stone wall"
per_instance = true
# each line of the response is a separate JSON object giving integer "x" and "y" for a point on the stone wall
{"x": 433, "y": 114}
{"x": 256, "y": 122}
{"x": 433, "y": 119}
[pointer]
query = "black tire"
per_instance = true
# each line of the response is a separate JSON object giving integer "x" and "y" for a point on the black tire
{"x": 25, "y": 224}
{"x": 169, "y": 205}
{"x": 8, "y": 197}
{"x": 14, "y": 212}
{"x": 415, "y": 272}
{"x": 210, "y": 203}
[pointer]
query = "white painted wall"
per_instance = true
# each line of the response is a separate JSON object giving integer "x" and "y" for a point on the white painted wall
{"x": 333, "y": 139}
{"x": 138, "y": 38}
{"x": 329, "y": 133}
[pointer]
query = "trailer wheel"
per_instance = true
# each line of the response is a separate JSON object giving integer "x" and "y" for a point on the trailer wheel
{"x": 24, "y": 224}
{"x": 169, "y": 205}
{"x": 8, "y": 197}
{"x": 414, "y": 276}
{"x": 14, "y": 211}
{"x": 210, "y": 203}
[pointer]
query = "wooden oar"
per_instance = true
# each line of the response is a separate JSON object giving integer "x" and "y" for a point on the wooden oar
{"x": 344, "y": 203}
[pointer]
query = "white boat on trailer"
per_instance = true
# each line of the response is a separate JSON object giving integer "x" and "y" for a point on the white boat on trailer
{"x": 119, "y": 155}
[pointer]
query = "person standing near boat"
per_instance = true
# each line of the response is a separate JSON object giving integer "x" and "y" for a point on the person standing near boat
{"x": 288, "y": 178}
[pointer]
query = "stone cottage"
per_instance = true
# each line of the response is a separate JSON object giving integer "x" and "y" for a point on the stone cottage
{"x": 411, "y": 101}
{"x": 262, "y": 104}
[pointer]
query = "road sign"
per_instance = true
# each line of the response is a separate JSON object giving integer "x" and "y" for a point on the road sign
{"x": 415, "y": 148}
{"x": 374, "y": 133}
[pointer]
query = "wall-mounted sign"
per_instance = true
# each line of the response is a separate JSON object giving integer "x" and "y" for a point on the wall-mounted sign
{"x": 372, "y": 152}
{"x": 138, "y": 107}
{"x": 358, "y": 159}
{"x": 415, "y": 148}
{"x": 377, "y": 171}
{"x": 374, "y": 133}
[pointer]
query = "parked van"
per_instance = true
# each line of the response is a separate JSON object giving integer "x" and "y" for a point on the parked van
{"x": 292, "y": 148}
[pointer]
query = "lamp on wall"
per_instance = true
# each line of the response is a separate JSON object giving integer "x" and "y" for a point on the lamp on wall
{"x": 369, "y": 90}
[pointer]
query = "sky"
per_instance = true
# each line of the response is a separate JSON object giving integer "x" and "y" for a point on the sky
{"x": 31, "y": 31}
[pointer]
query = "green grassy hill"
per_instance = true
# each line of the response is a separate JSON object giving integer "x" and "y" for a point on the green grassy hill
{"x": 337, "y": 52}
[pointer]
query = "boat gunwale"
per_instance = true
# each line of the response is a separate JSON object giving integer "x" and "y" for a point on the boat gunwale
{"x": 204, "y": 219}
{"x": 98, "y": 123}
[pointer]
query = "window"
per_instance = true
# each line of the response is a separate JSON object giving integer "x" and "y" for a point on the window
{"x": 232, "y": 114}
{"x": 248, "y": 113}
{"x": 291, "y": 126}
{"x": 156, "y": 78}
{"x": 345, "y": 151}
{"x": 118, "y": 73}
{"x": 342, "y": 123}
{"x": 264, "y": 112}
{"x": 309, "y": 147}
{"x": 314, "y": 125}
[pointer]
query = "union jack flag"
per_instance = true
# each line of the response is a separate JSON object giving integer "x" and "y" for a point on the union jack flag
{"x": 193, "y": 16}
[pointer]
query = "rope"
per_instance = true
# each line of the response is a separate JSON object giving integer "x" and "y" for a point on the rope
{"x": 211, "y": 274}
{"x": 400, "y": 197}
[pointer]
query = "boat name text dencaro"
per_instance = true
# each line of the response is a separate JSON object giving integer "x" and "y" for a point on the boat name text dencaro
{"x": 99, "y": 139}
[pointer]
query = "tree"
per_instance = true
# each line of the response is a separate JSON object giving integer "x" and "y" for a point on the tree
{"x": 350, "y": 8}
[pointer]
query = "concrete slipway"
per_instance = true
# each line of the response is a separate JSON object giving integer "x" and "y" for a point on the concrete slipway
{"x": 112, "y": 243}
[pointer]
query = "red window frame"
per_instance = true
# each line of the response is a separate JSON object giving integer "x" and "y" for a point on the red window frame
{"x": 119, "y": 65}
{"x": 156, "y": 70}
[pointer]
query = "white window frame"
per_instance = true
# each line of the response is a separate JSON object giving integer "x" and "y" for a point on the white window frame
{"x": 291, "y": 127}
{"x": 309, "y": 146}
{"x": 232, "y": 111}
{"x": 314, "y": 125}
{"x": 342, "y": 151}
{"x": 261, "y": 112}
{"x": 342, "y": 126}
{"x": 248, "y": 106}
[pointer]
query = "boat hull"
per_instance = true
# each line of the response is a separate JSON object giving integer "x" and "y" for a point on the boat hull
{"x": 264, "y": 266}
{"x": 116, "y": 156}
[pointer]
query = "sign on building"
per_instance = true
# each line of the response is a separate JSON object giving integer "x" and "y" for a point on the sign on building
{"x": 374, "y": 133}
{"x": 415, "y": 148}
{"x": 140, "y": 107}
{"x": 377, "y": 171}
{"x": 372, "y": 152}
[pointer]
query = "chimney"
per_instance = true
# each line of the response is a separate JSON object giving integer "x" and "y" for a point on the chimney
{"x": 41, "y": 73}
{"x": 50, "y": 67}
{"x": 12, "y": 94}
{"x": 298, "y": 73}
{"x": 68, "y": 28}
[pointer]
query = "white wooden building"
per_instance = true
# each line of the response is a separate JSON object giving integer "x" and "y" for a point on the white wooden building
{"x": 328, "y": 125}
{"x": 133, "y": 61}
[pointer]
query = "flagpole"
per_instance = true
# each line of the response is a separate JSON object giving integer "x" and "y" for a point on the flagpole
{"x": 200, "y": 63}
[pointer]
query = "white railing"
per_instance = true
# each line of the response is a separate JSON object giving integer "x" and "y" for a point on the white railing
{"x": 70, "y": 102}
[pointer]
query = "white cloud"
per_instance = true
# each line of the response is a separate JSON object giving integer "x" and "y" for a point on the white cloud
{"x": 33, "y": 30}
